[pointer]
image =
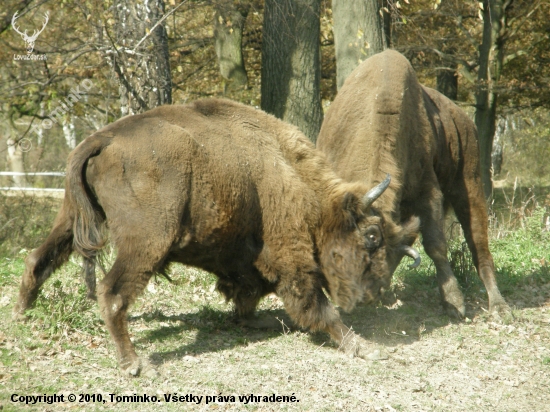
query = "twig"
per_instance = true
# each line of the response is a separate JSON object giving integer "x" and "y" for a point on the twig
{"x": 159, "y": 22}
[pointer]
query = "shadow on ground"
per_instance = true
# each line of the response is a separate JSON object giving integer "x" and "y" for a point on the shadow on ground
{"x": 406, "y": 313}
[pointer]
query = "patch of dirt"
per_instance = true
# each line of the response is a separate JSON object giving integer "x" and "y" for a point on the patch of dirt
{"x": 435, "y": 364}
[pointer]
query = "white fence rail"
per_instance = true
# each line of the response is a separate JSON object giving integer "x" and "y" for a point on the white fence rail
{"x": 32, "y": 174}
{"x": 35, "y": 191}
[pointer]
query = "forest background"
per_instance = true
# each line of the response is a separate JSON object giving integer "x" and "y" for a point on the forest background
{"x": 491, "y": 57}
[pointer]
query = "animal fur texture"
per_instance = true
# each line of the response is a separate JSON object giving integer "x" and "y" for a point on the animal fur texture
{"x": 384, "y": 121}
{"x": 229, "y": 189}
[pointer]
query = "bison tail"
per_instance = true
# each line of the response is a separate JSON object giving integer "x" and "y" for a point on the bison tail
{"x": 88, "y": 236}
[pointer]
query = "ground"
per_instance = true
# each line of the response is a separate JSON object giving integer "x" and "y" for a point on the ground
{"x": 185, "y": 329}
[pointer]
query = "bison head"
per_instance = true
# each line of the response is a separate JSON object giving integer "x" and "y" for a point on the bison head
{"x": 358, "y": 254}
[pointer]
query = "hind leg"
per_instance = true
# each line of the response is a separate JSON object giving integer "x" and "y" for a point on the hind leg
{"x": 435, "y": 245}
{"x": 116, "y": 292}
{"x": 88, "y": 272}
{"x": 470, "y": 209}
{"x": 43, "y": 261}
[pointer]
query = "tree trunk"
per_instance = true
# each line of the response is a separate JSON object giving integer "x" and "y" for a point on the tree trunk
{"x": 291, "y": 70}
{"x": 386, "y": 20}
{"x": 358, "y": 34}
{"x": 69, "y": 132}
{"x": 491, "y": 54}
{"x": 143, "y": 69}
{"x": 228, "y": 33}
{"x": 447, "y": 82}
{"x": 15, "y": 162}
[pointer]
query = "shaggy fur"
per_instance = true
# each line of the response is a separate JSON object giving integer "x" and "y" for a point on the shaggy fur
{"x": 229, "y": 189}
{"x": 384, "y": 121}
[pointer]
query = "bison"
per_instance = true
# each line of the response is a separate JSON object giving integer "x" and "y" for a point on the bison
{"x": 384, "y": 121}
{"x": 229, "y": 189}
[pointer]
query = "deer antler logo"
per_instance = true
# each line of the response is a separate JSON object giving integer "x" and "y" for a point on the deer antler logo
{"x": 29, "y": 40}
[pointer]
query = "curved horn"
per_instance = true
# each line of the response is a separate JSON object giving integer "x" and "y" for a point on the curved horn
{"x": 375, "y": 192}
{"x": 413, "y": 253}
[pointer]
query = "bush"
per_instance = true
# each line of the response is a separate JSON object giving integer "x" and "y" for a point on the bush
{"x": 25, "y": 221}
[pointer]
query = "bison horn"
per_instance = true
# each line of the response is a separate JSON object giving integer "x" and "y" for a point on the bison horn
{"x": 375, "y": 192}
{"x": 413, "y": 253}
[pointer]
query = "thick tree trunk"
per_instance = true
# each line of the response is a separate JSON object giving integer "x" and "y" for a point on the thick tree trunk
{"x": 291, "y": 70}
{"x": 143, "y": 70}
{"x": 491, "y": 54}
{"x": 228, "y": 33}
{"x": 358, "y": 34}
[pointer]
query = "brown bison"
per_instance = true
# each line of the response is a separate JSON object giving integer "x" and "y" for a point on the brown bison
{"x": 384, "y": 121}
{"x": 229, "y": 189}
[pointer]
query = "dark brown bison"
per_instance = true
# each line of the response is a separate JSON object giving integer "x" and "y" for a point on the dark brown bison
{"x": 229, "y": 189}
{"x": 384, "y": 121}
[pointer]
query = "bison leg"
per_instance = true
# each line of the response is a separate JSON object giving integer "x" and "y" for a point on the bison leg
{"x": 472, "y": 215}
{"x": 309, "y": 308}
{"x": 116, "y": 292}
{"x": 43, "y": 261}
{"x": 88, "y": 271}
{"x": 246, "y": 296}
{"x": 433, "y": 239}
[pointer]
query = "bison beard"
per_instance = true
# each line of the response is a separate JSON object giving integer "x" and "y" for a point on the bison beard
{"x": 229, "y": 189}
{"x": 384, "y": 121}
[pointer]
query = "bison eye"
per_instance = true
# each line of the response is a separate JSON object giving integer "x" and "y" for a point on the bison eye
{"x": 373, "y": 237}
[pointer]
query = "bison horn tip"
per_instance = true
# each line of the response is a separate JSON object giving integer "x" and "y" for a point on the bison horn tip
{"x": 376, "y": 191}
{"x": 413, "y": 253}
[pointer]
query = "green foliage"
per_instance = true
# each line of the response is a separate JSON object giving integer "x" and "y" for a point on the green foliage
{"x": 527, "y": 148}
{"x": 25, "y": 221}
{"x": 523, "y": 255}
{"x": 63, "y": 305}
{"x": 520, "y": 249}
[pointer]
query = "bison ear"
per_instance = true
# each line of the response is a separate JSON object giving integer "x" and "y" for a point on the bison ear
{"x": 351, "y": 205}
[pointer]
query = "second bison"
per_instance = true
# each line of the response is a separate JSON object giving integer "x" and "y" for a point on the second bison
{"x": 229, "y": 189}
{"x": 384, "y": 121}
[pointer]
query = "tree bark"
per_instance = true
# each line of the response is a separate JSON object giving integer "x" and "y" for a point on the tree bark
{"x": 15, "y": 163}
{"x": 447, "y": 82}
{"x": 491, "y": 55}
{"x": 358, "y": 34}
{"x": 228, "y": 33}
{"x": 386, "y": 20}
{"x": 143, "y": 70}
{"x": 291, "y": 69}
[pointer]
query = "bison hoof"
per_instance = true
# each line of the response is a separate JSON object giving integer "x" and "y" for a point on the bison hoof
{"x": 18, "y": 313}
{"x": 355, "y": 346}
{"x": 500, "y": 308}
{"x": 454, "y": 311}
{"x": 140, "y": 368}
